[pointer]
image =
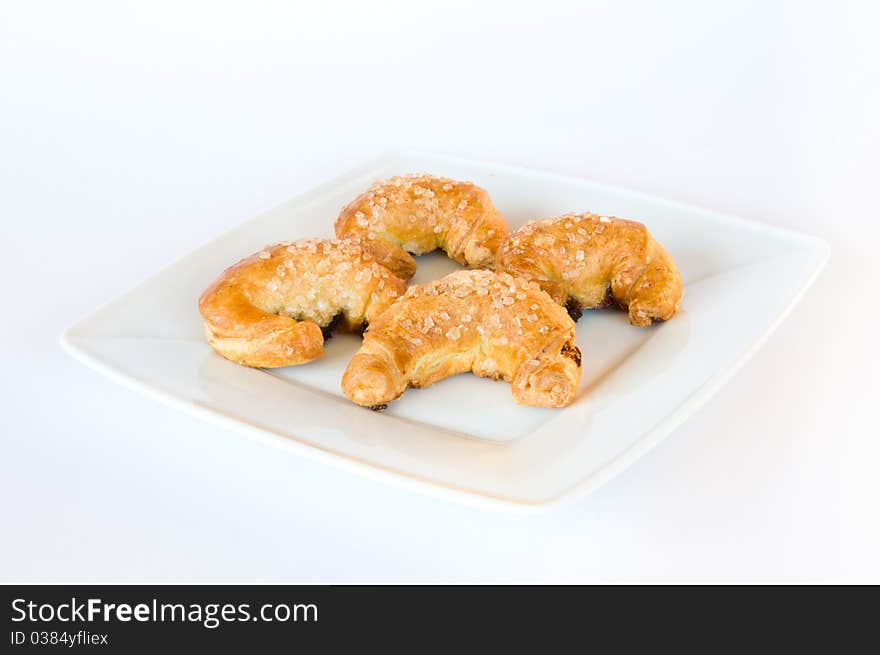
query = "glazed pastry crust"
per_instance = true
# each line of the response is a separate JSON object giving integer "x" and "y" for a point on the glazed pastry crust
{"x": 269, "y": 310}
{"x": 588, "y": 261}
{"x": 420, "y": 213}
{"x": 492, "y": 324}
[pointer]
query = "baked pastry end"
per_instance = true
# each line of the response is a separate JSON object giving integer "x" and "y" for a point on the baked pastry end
{"x": 371, "y": 380}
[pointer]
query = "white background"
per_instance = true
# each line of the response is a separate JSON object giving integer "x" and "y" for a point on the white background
{"x": 131, "y": 133}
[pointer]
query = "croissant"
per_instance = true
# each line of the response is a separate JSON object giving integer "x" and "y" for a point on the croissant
{"x": 492, "y": 324}
{"x": 420, "y": 213}
{"x": 269, "y": 310}
{"x": 590, "y": 261}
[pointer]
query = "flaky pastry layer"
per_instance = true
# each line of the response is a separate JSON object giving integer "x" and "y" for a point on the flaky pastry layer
{"x": 420, "y": 213}
{"x": 269, "y": 310}
{"x": 489, "y": 323}
{"x": 589, "y": 261}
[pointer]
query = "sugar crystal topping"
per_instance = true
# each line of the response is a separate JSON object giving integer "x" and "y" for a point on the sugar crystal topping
{"x": 435, "y": 201}
{"x": 565, "y": 240}
{"x": 313, "y": 278}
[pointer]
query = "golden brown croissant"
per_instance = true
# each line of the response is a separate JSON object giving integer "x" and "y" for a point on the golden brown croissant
{"x": 420, "y": 213}
{"x": 269, "y": 309}
{"x": 586, "y": 261}
{"x": 492, "y": 324}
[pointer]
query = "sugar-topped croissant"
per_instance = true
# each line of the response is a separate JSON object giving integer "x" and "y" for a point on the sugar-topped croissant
{"x": 492, "y": 324}
{"x": 269, "y": 309}
{"x": 420, "y": 213}
{"x": 588, "y": 261}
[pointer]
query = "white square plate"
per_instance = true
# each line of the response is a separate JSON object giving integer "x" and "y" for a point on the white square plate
{"x": 465, "y": 437}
